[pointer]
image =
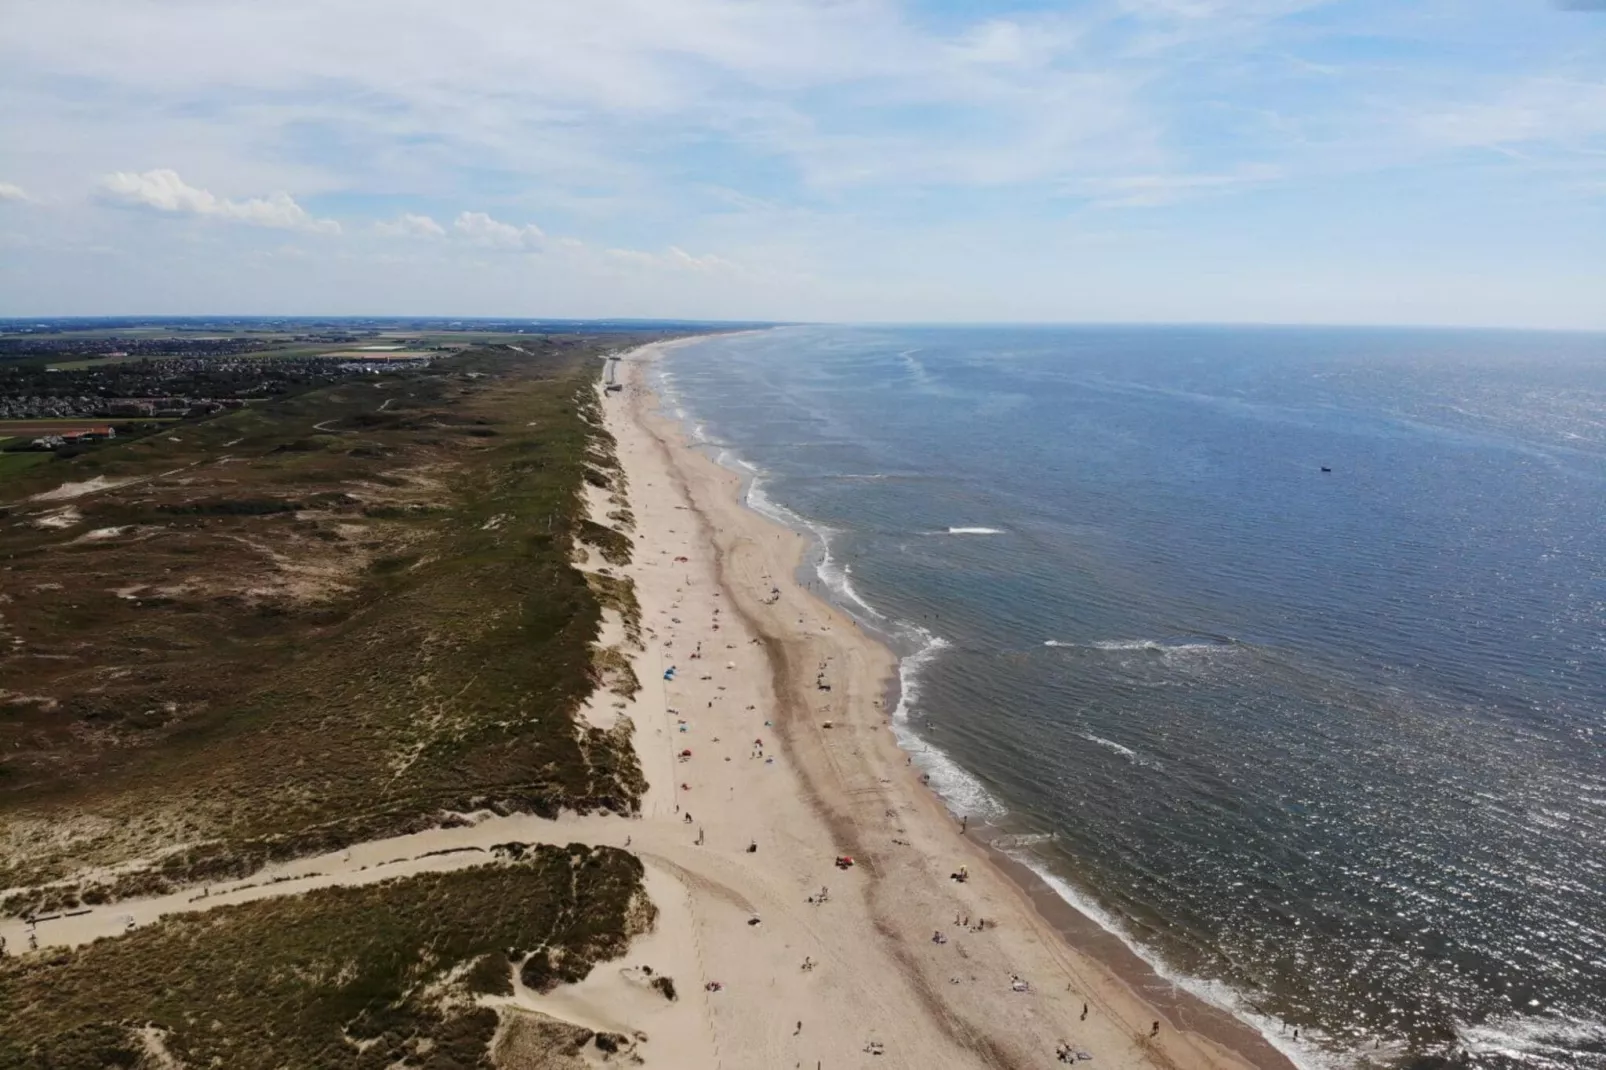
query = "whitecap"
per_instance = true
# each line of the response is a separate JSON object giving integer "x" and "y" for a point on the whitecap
{"x": 1163, "y": 648}
{"x": 976, "y": 531}
{"x": 1126, "y": 752}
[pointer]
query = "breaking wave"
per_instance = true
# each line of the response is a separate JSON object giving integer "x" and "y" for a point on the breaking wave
{"x": 1150, "y": 646}
{"x": 963, "y": 793}
{"x": 1308, "y": 1053}
{"x": 1126, "y": 752}
{"x": 1551, "y": 1042}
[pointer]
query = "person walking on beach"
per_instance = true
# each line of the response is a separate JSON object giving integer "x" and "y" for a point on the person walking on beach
{"x": 1154, "y": 1030}
{"x": 1084, "y": 1012}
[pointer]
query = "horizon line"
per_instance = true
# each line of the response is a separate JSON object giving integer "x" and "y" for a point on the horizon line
{"x": 768, "y": 323}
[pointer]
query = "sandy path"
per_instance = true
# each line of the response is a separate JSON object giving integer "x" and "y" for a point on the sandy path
{"x": 719, "y": 606}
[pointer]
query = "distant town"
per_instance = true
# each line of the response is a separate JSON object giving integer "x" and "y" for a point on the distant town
{"x": 72, "y": 383}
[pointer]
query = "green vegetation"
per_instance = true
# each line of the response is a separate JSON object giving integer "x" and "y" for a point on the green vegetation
{"x": 12, "y": 464}
{"x": 613, "y": 545}
{"x": 384, "y": 975}
{"x": 619, "y": 594}
{"x": 615, "y": 672}
{"x": 314, "y": 621}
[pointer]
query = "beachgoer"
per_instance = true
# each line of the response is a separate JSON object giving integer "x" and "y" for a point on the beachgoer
{"x": 964, "y": 824}
{"x": 1154, "y": 1030}
{"x": 798, "y": 1030}
{"x": 1084, "y": 1012}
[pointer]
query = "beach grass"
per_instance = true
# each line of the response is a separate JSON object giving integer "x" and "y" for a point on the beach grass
{"x": 372, "y": 976}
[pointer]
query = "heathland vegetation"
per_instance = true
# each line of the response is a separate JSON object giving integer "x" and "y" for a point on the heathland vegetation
{"x": 313, "y": 621}
{"x": 377, "y": 976}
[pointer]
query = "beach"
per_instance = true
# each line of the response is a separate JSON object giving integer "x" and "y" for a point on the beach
{"x": 818, "y": 905}
{"x": 783, "y": 703}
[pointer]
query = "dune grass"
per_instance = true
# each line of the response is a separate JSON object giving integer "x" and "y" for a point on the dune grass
{"x": 371, "y": 977}
{"x": 316, "y": 621}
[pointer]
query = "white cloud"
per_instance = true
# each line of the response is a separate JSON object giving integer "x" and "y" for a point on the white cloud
{"x": 165, "y": 191}
{"x": 1158, "y": 190}
{"x": 480, "y": 229}
{"x": 11, "y": 192}
{"x": 1564, "y": 114}
{"x": 408, "y": 225}
{"x": 676, "y": 259}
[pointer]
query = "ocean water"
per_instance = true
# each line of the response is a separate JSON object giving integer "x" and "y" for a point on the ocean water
{"x": 1328, "y": 747}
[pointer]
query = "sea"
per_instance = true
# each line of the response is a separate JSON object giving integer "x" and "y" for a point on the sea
{"x": 1279, "y": 652}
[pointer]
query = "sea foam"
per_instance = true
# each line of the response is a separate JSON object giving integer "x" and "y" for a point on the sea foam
{"x": 1548, "y": 1040}
{"x": 1126, "y": 752}
{"x": 960, "y": 789}
{"x": 1307, "y": 1053}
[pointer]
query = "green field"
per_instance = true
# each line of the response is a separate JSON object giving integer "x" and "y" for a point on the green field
{"x": 14, "y": 464}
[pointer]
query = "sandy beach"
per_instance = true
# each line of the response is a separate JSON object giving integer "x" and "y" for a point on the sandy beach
{"x": 904, "y": 958}
{"x": 762, "y": 727}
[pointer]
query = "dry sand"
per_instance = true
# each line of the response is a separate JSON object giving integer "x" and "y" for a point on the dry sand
{"x": 720, "y": 606}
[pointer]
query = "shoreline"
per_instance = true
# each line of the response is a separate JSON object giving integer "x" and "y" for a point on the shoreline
{"x": 887, "y": 969}
{"x": 1129, "y": 991}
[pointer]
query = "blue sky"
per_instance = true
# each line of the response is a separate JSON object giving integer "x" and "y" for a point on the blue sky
{"x": 1118, "y": 160}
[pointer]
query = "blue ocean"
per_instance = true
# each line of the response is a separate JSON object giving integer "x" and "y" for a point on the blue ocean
{"x": 1279, "y": 651}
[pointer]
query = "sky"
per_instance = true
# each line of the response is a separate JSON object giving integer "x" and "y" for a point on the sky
{"x": 1278, "y": 161}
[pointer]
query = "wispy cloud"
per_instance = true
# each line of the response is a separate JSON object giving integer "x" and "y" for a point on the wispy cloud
{"x": 675, "y": 259}
{"x": 408, "y": 225}
{"x": 10, "y": 191}
{"x": 1556, "y": 113}
{"x": 481, "y": 230}
{"x": 1158, "y": 190}
{"x": 164, "y": 191}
